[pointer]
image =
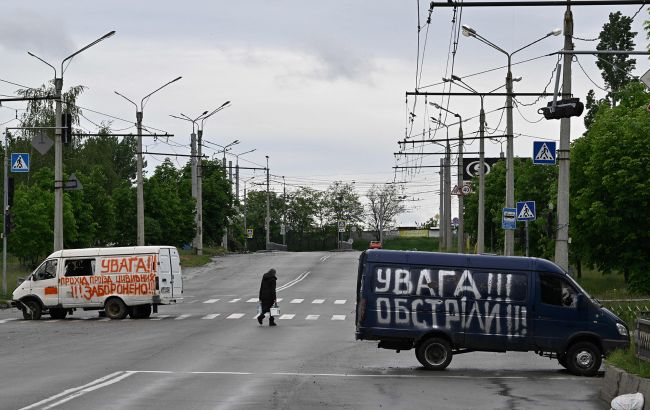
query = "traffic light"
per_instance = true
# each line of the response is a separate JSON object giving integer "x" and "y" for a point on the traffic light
{"x": 66, "y": 131}
{"x": 10, "y": 191}
{"x": 571, "y": 107}
{"x": 9, "y": 225}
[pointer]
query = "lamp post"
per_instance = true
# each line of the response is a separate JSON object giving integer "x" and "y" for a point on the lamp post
{"x": 446, "y": 209}
{"x": 199, "y": 180}
{"x": 58, "y": 144}
{"x": 267, "y": 220}
{"x": 139, "y": 183}
{"x": 461, "y": 204}
{"x": 198, "y": 240}
{"x": 480, "y": 241}
{"x": 509, "y": 245}
{"x": 224, "y": 239}
{"x": 237, "y": 171}
{"x": 246, "y": 212}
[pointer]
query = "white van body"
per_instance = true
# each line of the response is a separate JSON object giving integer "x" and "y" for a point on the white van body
{"x": 120, "y": 281}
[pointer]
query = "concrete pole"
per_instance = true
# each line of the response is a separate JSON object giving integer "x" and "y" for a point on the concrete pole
{"x": 441, "y": 231}
{"x": 284, "y": 212}
{"x": 461, "y": 205}
{"x": 448, "y": 233}
{"x": 224, "y": 239}
{"x": 139, "y": 183}
{"x": 245, "y": 212}
{"x": 58, "y": 168}
{"x": 237, "y": 181}
{"x": 199, "y": 194}
{"x": 562, "y": 234}
{"x": 509, "y": 245}
{"x": 194, "y": 189}
{"x": 480, "y": 244}
{"x": 267, "y": 220}
{"x": 5, "y": 206}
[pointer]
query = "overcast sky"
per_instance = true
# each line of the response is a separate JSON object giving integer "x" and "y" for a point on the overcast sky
{"x": 319, "y": 87}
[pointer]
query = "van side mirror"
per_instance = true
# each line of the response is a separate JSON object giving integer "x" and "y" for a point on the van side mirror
{"x": 20, "y": 280}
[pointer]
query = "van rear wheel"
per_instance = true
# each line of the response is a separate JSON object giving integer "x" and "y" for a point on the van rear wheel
{"x": 434, "y": 353}
{"x": 141, "y": 312}
{"x": 584, "y": 359}
{"x": 32, "y": 309}
{"x": 115, "y": 309}
{"x": 58, "y": 313}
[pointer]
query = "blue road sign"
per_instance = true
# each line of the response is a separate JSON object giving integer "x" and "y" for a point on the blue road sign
{"x": 526, "y": 211}
{"x": 544, "y": 152}
{"x": 19, "y": 162}
{"x": 508, "y": 219}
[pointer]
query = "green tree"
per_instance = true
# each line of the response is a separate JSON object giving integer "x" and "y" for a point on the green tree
{"x": 617, "y": 69}
{"x": 610, "y": 189}
{"x": 302, "y": 208}
{"x": 384, "y": 205}
{"x": 217, "y": 202}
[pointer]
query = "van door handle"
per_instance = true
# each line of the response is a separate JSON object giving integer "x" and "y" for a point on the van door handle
{"x": 164, "y": 280}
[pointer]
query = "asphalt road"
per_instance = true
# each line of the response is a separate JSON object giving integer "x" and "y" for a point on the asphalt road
{"x": 209, "y": 353}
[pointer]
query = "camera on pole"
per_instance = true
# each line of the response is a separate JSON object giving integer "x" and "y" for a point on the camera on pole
{"x": 570, "y": 107}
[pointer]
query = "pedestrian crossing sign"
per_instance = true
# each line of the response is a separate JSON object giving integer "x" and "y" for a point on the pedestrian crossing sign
{"x": 544, "y": 152}
{"x": 526, "y": 211}
{"x": 19, "y": 162}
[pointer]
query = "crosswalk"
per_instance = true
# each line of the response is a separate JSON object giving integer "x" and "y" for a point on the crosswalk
{"x": 255, "y": 300}
{"x": 184, "y": 316}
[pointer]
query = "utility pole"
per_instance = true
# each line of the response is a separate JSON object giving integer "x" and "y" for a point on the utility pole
{"x": 199, "y": 192}
{"x": 441, "y": 231}
{"x": 267, "y": 220}
{"x": 562, "y": 235}
{"x": 461, "y": 204}
{"x": 509, "y": 245}
{"x": 448, "y": 233}
{"x": 284, "y": 212}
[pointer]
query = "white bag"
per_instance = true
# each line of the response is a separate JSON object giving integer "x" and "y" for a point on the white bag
{"x": 275, "y": 310}
{"x": 633, "y": 401}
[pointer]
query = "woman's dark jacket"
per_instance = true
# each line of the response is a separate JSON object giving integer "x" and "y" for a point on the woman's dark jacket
{"x": 267, "y": 288}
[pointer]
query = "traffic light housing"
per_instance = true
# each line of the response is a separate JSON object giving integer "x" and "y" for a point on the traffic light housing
{"x": 9, "y": 225}
{"x": 570, "y": 107}
{"x": 66, "y": 131}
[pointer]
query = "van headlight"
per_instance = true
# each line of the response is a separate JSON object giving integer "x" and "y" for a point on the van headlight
{"x": 622, "y": 330}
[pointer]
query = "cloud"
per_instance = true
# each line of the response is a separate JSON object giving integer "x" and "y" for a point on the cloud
{"x": 27, "y": 30}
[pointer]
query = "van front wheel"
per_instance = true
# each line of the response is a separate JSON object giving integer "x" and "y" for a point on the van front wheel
{"x": 434, "y": 353}
{"x": 115, "y": 308}
{"x": 32, "y": 309}
{"x": 584, "y": 359}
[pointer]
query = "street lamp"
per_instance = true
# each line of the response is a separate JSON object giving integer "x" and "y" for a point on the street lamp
{"x": 198, "y": 217}
{"x": 461, "y": 204}
{"x": 446, "y": 192}
{"x": 139, "y": 186}
{"x": 237, "y": 172}
{"x": 58, "y": 145}
{"x": 509, "y": 247}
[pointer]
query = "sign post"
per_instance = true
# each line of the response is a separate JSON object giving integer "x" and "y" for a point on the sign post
{"x": 526, "y": 212}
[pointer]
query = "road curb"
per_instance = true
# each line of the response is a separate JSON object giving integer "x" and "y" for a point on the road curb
{"x": 617, "y": 382}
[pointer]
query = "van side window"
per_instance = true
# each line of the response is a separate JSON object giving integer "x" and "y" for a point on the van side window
{"x": 79, "y": 267}
{"x": 47, "y": 270}
{"x": 556, "y": 291}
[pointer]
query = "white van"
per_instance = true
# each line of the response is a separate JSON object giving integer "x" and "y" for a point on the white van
{"x": 119, "y": 281}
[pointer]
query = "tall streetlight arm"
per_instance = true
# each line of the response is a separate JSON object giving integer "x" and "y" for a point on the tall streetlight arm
{"x": 224, "y": 105}
{"x": 102, "y": 38}
{"x": 156, "y": 90}
{"x": 43, "y": 61}
{"x": 129, "y": 100}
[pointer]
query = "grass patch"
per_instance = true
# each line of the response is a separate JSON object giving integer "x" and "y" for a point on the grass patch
{"x": 189, "y": 259}
{"x": 626, "y": 360}
{"x": 14, "y": 271}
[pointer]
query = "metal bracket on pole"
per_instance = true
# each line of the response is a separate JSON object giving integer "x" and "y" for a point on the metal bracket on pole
{"x": 557, "y": 86}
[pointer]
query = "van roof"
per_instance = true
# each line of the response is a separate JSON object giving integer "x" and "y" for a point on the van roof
{"x": 126, "y": 250}
{"x": 464, "y": 260}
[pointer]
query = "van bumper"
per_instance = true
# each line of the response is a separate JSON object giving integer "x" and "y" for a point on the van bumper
{"x": 609, "y": 345}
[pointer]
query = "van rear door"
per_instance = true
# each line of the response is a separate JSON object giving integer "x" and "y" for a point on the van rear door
{"x": 177, "y": 278}
{"x": 165, "y": 273}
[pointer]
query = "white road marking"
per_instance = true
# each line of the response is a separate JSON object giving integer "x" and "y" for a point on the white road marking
{"x": 211, "y": 301}
{"x": 51, "y": 320}
{"x": 181, "y": 317}
{"x": 340, "y": 301}
{"x": 338, "y": 317}
{"x": 105, "y": 319}
{"x": 294, "y": 281}
{"x": 279, "y": 300}
{"x": 73, "y": 390}
{"x": 192, "y": 301}
{"x": 236, "y": 316}
{"x": 160, "y": 317}
{"x": 89, "y": 389}
{"x": 252, "y": 300}
{"x": 297, "y": 301}
{"x": 286, "y": 316}
{"x": 318, "y": 301}
{"x": 234, "y": 300}
{"x": 312, "y": 317}
{"x": 324, "y": 258}
{"x": 211, "y": 316}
